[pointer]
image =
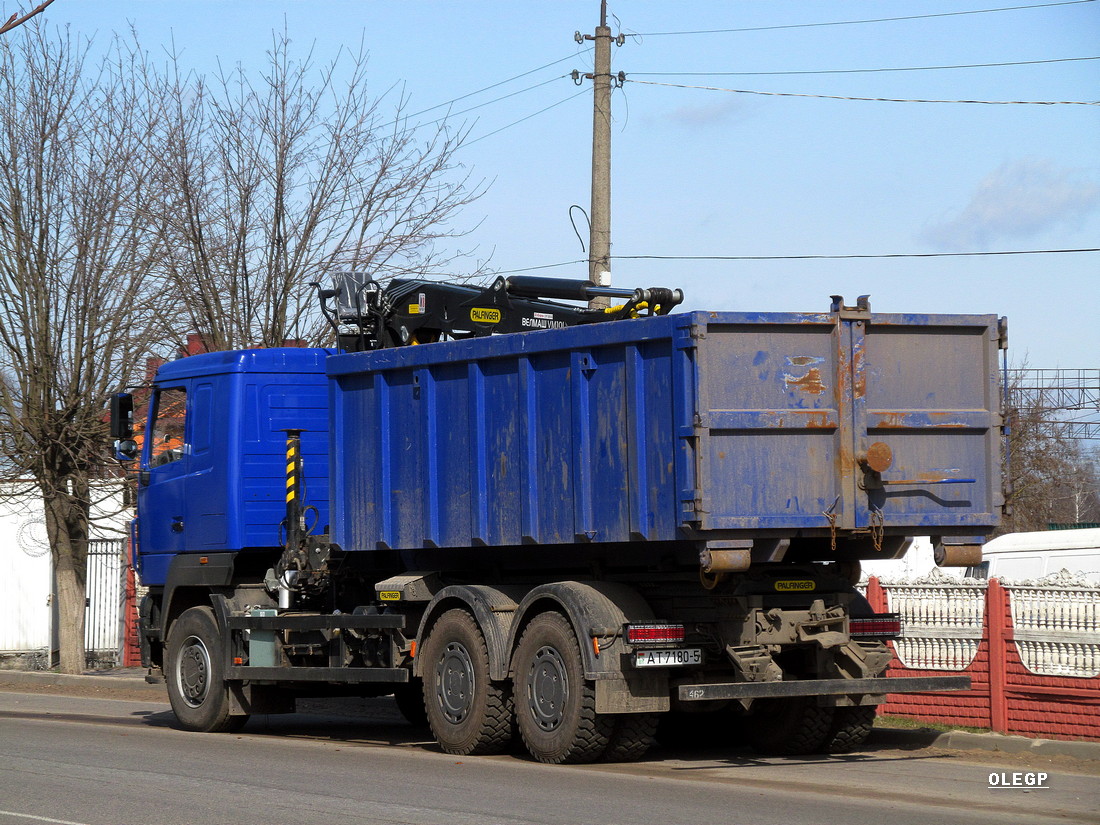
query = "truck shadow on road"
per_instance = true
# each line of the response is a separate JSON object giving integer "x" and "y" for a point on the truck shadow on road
{"x": 740, "y": 756}
{"x": 352, "y": 720}
{"x": 377, "y": 721}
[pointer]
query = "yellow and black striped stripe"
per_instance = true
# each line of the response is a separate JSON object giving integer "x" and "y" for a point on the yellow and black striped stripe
{"x": 292, "y": 465}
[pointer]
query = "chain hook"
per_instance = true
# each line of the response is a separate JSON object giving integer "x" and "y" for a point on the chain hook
{"x": 831, "y": 516}
{"x": 878, "y": 527}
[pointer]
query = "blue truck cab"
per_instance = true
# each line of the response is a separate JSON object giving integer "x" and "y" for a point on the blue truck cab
{"x": 212, "y": 467}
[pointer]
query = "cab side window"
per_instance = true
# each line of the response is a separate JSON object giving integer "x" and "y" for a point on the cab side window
{"x": 169, "y": 427}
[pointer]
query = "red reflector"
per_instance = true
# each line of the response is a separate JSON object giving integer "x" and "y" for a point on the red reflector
{"x": 654, "y": 633}
{"x": 886, "y": 624}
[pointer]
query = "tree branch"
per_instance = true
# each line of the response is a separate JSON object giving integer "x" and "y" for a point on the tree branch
{"x": 16, "y": 20}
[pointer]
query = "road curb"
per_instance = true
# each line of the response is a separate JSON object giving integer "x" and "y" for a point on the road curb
{"x": 964, "y": 740}
{"x": 131, "y": 679}
{"x": 905, "y": 738}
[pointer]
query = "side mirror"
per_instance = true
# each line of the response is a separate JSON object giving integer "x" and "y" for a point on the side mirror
{"x": 122, "y": 416}
{"x": 126, "y": 449}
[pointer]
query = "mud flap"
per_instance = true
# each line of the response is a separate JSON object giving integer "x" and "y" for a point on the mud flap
{"x": 638, "y": 693}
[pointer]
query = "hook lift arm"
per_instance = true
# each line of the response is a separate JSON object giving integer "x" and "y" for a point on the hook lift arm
{"x": 367, "y": 316}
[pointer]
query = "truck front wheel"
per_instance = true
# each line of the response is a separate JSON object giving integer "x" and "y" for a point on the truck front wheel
{"x": 555, "y": 705}
{"x": 468, "y": 713}
{"x": 194, "y": 674}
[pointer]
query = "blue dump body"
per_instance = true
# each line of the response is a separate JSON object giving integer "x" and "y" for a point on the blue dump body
{"x": 227, "y": 490}
{"x": 698, "y": 426}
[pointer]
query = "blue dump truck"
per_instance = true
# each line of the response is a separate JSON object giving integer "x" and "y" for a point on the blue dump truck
{"x": 568, "y": 534}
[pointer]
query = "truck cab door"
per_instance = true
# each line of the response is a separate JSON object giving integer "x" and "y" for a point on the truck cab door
{"x": 165, "y": 459}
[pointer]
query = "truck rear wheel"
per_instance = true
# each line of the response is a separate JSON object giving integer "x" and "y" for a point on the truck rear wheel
{"x": 633, "y": 736}
{"x": 556, "y": 707}
{"x": 850, "y": 728}
{"x": 789, "y": 726}
{"x": 194, "y": 673}
{"x": 468, "y": 712}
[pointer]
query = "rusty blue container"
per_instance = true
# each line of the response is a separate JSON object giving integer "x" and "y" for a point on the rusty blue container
{"x": 698, "y": 427}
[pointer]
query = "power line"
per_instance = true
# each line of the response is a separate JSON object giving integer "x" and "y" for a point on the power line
{"x": 863, "y": 71}
{"x": 872, "y": 20}
{"x": 798, "y": 257}
{"x": 875, "y": 99}
{"x": 493, "y": 85}
{"x": 544, "y": 266}
{"x": 473, "y": 108}
{"x": 488, "y": 102}
{"x": 847, "y": 257}
{"x": 522, "y": 119}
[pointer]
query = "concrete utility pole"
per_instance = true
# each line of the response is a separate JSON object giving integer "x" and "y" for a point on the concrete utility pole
{"x": 599, "y": 246}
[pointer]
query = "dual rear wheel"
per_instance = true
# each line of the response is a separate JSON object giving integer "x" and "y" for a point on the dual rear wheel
{"x": 555, "y": 705}
{"x": 799, "y": 726}
{"x": 550, "y": 703}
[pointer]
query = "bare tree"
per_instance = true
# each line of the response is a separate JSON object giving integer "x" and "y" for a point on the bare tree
{"x": 75, "y": 257}
{"x": 274, "y": 182}
{"x": 1052, "y": 479}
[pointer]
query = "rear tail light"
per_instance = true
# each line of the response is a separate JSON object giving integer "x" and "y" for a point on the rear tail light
{"x": 880, "y": 626}
{"x": 654, "y": 634}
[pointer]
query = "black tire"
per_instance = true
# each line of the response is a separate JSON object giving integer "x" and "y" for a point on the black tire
{"x": 556, "y": 706}
{"x": 789, "y": 727}
{"x": 633, "y": 735}
{"x": 194, "y": 674}
{"x": 850, "y": 728}
{"x": 410, "y": 701}
{"x": 468, "y": 713}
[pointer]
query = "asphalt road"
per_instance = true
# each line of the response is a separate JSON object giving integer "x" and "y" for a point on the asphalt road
{"x": 113, "y": 762}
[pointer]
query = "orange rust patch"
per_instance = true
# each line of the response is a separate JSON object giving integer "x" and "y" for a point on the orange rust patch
{"x": 843, "y": 376}
{"x": 810, "y": 382}
{"x": 940, "y": 476}
{"x": 902, "y": 420}
{"x": 879, "y": 457}
{"x": 890, "y": 420}
{"x": 815, "y": 419}
{"x": 859, "y": 386}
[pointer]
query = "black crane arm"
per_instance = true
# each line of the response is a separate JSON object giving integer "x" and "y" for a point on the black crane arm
{"x": 368, "y": 316}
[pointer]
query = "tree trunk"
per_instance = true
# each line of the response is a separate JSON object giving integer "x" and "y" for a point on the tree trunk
{"x": 68, "y": 534}
{"x": 71, "y": 600}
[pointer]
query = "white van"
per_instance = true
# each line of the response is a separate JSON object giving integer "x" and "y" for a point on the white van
{"x": 918, "y": 562}
{"x": 1035, "y": 555}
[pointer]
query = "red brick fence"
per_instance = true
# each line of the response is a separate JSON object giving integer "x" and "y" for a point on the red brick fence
{"x": 1032, "y": 652}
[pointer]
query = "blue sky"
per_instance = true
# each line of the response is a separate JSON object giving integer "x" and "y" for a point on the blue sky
{"x": 714, "y": 173}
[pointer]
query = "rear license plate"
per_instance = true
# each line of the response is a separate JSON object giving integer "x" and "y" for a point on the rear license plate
{"x": 669, "y": 658}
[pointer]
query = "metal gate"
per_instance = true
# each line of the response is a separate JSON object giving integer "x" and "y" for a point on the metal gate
{"x": 106, "y": 595}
